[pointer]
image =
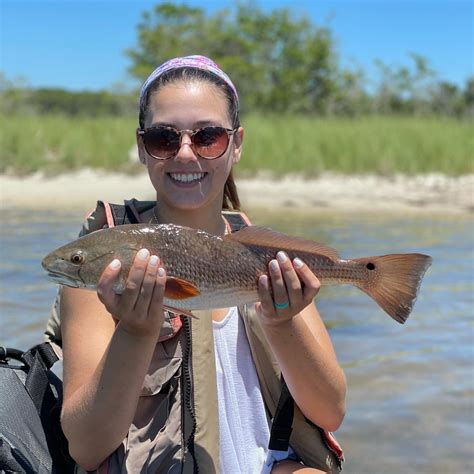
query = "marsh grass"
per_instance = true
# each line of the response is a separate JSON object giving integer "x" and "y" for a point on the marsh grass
{"x": 279, "y": 144}
{"x": 54, "y": 144}
{"x": 382, "y": 145}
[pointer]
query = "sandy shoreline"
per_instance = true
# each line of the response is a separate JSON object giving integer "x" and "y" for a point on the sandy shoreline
{"x": 434, "y": 193}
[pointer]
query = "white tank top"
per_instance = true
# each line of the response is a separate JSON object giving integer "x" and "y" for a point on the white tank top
{"x": 243, "y": 425}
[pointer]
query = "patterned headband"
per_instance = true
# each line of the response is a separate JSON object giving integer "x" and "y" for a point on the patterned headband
{"x": 198, "y": 62}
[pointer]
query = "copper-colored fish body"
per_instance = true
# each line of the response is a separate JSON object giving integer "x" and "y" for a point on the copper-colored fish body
{"x": 206, "y": 271}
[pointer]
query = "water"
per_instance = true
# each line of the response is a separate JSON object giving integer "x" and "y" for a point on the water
{"x": 410, "y": 388}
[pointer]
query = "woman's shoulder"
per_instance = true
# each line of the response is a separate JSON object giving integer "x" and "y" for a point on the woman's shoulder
{"x": 106, "y": 214}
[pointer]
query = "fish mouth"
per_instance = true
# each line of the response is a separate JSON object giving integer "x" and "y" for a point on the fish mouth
{"x": 65, "y": 280}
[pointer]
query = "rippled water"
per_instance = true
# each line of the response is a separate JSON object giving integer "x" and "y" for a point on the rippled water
{"x": 410, "y": 388}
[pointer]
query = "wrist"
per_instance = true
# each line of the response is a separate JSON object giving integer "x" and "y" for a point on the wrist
{"x": 138, "y": 334}
{"x": 271, "y": 324}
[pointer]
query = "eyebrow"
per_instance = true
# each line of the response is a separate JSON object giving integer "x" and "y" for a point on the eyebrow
{"x": 199, "y": 124}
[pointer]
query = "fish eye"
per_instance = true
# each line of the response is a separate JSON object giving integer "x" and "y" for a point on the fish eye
{"x": 77, "y": 258}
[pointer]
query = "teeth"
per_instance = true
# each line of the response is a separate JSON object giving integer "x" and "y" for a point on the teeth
{"x": 187, "y": 178}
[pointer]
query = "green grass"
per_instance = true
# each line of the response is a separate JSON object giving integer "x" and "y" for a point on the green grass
{"x": 383, "y": 145}
{"x": 55, "y": 144}
{"x": 282, "y": 145}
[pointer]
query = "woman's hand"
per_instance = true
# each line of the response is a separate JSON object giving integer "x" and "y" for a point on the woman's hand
{"x": 139, "y": 307}
{"x": 294, "y": 287}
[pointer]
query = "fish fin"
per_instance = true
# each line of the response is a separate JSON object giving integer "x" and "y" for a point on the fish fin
{"x": 179, "y": 311}
{"x": 396, "y": 281}
{"x": 179, "y": 289}
{"x": 264, "y": 237}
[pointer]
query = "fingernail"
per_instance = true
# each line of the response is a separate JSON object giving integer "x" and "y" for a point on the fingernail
{"x": 143, "y": 254}
{"x": 297, "y": 263}
{"x": 264, "y": 281}
{"x": 153, "y": 260}
{"x": 281, "y": 257}
{"x": 114, "y": 264}
{"x": 161, "y": 272}
{"x": 274, "y": 265}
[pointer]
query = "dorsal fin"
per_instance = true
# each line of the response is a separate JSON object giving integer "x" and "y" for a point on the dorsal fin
{"x": 264, "y": 237}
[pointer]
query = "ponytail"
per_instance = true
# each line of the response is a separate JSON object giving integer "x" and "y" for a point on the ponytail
{"x": 231, "y": 199}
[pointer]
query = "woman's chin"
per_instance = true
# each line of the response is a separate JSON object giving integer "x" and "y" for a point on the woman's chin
{"x": 189, "y": 196}
{"x": 189, "y": 201}
{"x": 187, "y": 205}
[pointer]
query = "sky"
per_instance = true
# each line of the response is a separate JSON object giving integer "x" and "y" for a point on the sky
{"x": 80, "y": 44}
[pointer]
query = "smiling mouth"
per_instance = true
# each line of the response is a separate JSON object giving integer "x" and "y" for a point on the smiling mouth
{"x": 187, "y": 178}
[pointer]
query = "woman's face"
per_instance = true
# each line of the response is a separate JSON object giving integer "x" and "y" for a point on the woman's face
{"x": 187, "y": 182}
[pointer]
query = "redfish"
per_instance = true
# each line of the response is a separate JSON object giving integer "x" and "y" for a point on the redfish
{"x": 205, "y": 271}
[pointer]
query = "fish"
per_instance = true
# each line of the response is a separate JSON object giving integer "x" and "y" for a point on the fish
{"x": 206, "y": 271}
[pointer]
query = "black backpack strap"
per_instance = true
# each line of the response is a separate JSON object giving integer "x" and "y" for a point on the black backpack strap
{"x": 39, "y": 360}
{"x": 282, "y": 421}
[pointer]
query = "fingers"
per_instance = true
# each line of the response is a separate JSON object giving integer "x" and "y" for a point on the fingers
{"x": 156, "y": 302}
{"x": 136, "y": 276}
{"x": 105, "y": 289}
{"x": 286, "y": 285}
{"x": 290, "y": 286}
{"x": 144, "y": 296}
{"x": 311, "y": 284}
{"x": 291, "y": 280}
{"x": 280, "y": 290}
{"x": 281, "y": 297}
{"x": 265, "y": 295}
{"x": 145, "y": 274}
{"x": 139, "y": 307}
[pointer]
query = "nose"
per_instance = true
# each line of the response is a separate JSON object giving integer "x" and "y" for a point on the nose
{"x": 185, "y": 153}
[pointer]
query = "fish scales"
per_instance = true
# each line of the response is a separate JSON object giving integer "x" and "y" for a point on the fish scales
{"x": 208, "y": 261}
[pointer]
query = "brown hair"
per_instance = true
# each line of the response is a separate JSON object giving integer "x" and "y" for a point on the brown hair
{"x": 230, "y": 199}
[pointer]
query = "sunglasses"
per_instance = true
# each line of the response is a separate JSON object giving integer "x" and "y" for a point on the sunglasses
{"x": 209, "y": 143}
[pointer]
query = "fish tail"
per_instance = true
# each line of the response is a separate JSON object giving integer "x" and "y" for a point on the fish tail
{"x": 394, "y": 281}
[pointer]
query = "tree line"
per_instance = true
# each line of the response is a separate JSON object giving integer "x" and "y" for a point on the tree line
{"x": 280, "y": 63}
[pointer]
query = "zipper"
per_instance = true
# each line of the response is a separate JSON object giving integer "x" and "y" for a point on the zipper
{"x": 188, "y": 405}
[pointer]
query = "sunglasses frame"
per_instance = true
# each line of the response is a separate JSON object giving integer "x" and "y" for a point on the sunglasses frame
{"x": 230, "y": 133}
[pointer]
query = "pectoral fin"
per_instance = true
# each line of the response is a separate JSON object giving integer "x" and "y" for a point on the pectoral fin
{"x": 179, "y": 289}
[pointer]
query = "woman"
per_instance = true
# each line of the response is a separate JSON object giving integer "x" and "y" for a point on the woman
{"x": 118, "y": 377}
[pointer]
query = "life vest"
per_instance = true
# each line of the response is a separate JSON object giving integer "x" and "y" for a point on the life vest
{"x": 175, "y": 429}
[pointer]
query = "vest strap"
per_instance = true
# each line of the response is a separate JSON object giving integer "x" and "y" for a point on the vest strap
{"x": 282, "y": 421}
{"x": 235, "y": 220}
{"x": 122, "y": 214}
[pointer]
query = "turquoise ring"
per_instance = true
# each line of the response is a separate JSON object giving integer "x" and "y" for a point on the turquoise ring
{"x": 282, "y": 305}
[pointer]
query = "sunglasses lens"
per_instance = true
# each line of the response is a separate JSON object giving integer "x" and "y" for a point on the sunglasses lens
{"x": 161, "y": 142}
{"x": 211, "y": 142}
